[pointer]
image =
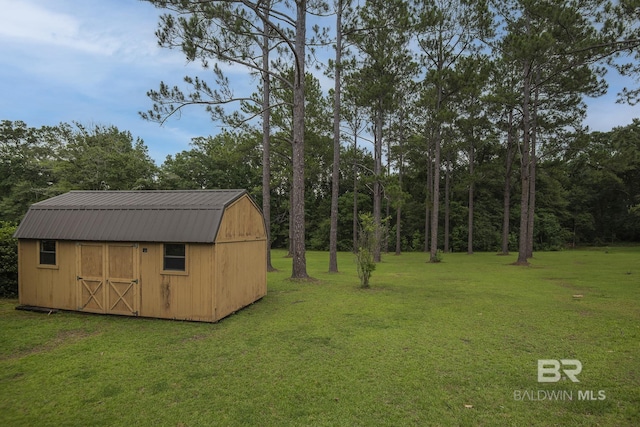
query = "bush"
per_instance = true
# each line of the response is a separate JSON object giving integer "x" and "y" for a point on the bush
{"x": 8, "y": 261}
{"x": 549, "y": 235}
{"x": 366, "y": 244}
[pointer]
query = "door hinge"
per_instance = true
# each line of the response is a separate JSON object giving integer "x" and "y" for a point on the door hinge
{"x": 78, "y": 278}
{"x": 134, "y": 281}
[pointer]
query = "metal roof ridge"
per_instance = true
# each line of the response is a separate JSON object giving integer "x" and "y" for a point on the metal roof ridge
{"x": 204, "y": 190}
{"x": 128, "y": 207}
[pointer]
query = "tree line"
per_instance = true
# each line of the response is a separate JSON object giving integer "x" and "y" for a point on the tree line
{"x": 474, "y": 111}
{"x": 588, "y": 186}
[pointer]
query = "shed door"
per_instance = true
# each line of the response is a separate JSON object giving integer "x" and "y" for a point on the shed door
{"x": 122, "y": 279}
{"x": 91, "y": 283}
{"x": 108, "y": 278}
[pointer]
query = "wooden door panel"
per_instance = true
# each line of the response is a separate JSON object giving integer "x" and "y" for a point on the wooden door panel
{"x": 91, "y": 289}
{"x": 121, "y": 262}
{"x": 122, "y": 280}
{"x": 122, "y": 298}
{"x": 92, "y": 295}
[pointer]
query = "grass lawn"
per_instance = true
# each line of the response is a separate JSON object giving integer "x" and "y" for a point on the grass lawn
{"x": 455, "y": 343}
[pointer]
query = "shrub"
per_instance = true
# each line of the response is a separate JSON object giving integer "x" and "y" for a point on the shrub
{"x": 8, "y": 261}
{"x": 366, "y": 245}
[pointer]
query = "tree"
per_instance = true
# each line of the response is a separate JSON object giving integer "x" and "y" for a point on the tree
{"x": 299, "y": 269}
{"x": 621, "y": 33}
{"x": 446, "y": 32}
{"x": 335, "y": 176}
{"x": 224, "y": 161}
{"x": 472, "y": 122}
{"x": 355, "y": 124}
{"x": 381, "y": 33}
{"x": 366, "y": 245}
{"x": 398, "y": 196}
{"x": 553, "y": 47}
{"x": 401, "y": 126}
{"x": 502, "y": 103}
{"x": 103, "y": 158}
{"x": 26, "y": 167}
{"x": 226, "y": 31}
{"x": 317, "y": 153}
{"x": 266, "y": 134}
{"x": 603, "y": 190}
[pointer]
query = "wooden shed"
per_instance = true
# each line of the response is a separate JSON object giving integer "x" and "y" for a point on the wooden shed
{"x": 192, "y": 255}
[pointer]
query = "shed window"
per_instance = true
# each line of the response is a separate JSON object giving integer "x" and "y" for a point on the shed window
{"x": 174, "y": 257}
{"x": 47, "y": 252}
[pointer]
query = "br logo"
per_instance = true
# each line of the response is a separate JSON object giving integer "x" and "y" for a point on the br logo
{"x": 549, "y": 370}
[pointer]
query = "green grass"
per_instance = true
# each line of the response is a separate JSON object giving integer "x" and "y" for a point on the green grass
{"x": 429, "y": 344}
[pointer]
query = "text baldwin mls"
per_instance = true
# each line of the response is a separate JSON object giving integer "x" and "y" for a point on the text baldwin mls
{"x": 549, "y": 372}
{"x": 539, "y": 395}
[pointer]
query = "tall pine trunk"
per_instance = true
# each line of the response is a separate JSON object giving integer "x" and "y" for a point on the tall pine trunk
{"x": 507, "y": 186}
{"x": 299, "y": 265}
{"x": 532, "y": 197}
{"x": 377, "y": 188}
{"x": 400, "y": 173}
{"x": 355, "y": 193}
{"x": 290, "y": 246}
{"x": 429, "y": 199}
{"x": 387, "y": 203}
{"x": 534, "y": 161}
{"x": 335, "y": 176}
{"x": 447, "y": 202}
{"x": 398, "y": 230}
{"x": 472, "y": 187}
{"x": 435, "y": 208}
{"x": 525, "y": 167}
{"x": 266, "y": 138}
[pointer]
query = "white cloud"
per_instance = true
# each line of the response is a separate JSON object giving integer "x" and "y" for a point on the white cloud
{"x": 30, "y": 23}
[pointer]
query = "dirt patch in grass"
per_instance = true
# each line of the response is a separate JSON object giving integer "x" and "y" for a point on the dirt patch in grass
{"x": 306, "y": 280}
{"x": 195, "y": 338}
{"x": 62, "y": 338}
{"x": 563, "y": 283}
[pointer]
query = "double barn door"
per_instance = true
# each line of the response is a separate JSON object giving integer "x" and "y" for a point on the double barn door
{"x": 108, "y": 278}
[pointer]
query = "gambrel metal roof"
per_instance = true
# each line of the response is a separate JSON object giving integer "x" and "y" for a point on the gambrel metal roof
{"x": 191, "y": 216}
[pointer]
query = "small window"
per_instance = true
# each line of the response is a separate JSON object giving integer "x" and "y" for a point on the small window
{"x": 47, "y": 252}
{"x": 174, "y": 257}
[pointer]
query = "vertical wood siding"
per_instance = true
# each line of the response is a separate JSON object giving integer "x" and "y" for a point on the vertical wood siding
{"x": 51, "y": 287}
{"x": 240, "y": 255}
{"x": 177, "y": 295}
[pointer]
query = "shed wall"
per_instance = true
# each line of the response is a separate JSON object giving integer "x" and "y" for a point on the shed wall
{"x": 177, "y": 295}
{"x": 240, "y": 258}
{"x": 240, "y": 276}
{"x": 242, "y": 220}
{"x": 47, "y": 286}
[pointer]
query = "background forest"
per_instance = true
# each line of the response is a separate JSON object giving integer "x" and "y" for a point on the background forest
{"x": 458, "y": 125}
{"x": 588, "y": 185}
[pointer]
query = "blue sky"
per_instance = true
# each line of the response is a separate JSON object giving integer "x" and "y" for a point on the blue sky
{"x": 92, "y": 61}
